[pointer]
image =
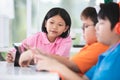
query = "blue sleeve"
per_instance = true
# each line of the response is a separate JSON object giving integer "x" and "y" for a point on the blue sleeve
{"x": 110, "y": 67}
{"x": 90, "y": 72}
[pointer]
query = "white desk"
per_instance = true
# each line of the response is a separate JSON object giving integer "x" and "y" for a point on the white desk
{"x": 9, "y": 72}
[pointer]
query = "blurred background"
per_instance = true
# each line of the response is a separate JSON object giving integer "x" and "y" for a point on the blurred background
{"x": 22, "y": 18}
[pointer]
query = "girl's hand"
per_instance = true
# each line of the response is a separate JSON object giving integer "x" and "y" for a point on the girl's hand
{"x": 25, "y": 58}
{"x": 10, "y": 57}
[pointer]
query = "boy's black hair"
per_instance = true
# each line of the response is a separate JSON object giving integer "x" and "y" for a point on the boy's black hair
{"x": 90, "y": 12}
{"x": 64, "y": 14}
{"x": 110, "y": 11}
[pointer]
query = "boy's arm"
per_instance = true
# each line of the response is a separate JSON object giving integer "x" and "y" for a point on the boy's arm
{"x": 67, "y": 62}
{"x": 64, "y": 60}
{"x": 64, "y": 71}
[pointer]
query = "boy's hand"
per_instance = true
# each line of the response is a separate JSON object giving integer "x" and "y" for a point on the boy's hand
{"x": 25, "y": 58}
{"x": 46, "y": 63}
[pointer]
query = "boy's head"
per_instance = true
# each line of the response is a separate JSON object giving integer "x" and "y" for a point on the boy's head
{"x": 90, "y": 12}
{"x": 108, "y": 17}
{"x": 111, "y": 12}
{"x": 89, "y": 19}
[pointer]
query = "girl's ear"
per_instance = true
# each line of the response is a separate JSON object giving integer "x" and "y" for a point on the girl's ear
{"x": 66, "y": 28}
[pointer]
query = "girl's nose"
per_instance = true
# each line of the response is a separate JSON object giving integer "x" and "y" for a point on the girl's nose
{"x": 54, "y": 26}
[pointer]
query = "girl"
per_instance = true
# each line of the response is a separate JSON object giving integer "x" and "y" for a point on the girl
{"x": 54, "y": 38}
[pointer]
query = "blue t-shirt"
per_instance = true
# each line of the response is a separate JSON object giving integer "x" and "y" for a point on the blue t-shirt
{"x": 108, "y": 66}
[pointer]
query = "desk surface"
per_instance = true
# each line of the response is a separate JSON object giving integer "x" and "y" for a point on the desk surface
{"x": 9, "y": 72}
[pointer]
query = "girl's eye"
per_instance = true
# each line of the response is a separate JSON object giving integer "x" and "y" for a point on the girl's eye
{"x": 60, "y": 24}
{"x": 51, "y": 22}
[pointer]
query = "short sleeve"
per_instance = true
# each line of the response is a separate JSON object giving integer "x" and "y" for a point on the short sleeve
{"x": 90, "y": 73}
{"x": 31, "y": 40}
{"x": 108, "y": 67}
{"x": 88, "y": 56}
{"x": 64, "y": 47}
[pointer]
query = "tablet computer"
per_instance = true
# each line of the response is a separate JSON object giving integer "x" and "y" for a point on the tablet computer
{"x": 17, "y": 55}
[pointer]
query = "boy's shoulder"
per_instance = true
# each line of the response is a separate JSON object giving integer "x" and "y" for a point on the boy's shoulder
{"x": 98, "y": 46}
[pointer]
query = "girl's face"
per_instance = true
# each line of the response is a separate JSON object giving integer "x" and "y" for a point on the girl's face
{"x": 104, "y": 32}
{"x": 55, "y": 26}
{"x": 89, "y": 32}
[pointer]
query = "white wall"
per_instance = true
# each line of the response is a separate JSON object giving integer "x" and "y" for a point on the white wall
{"x": 6, "y": 14}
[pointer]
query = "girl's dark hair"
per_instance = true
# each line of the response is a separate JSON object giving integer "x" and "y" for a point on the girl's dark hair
{"x": 61, "y": 12}
{"x": 90, "y": 12}
{"x": 110, "y": 11}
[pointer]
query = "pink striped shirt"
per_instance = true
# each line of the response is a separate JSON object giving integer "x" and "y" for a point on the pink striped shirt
{"x": 61, "y": 46}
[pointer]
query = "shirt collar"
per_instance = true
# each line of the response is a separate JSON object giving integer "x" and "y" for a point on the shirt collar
{"x": 46, "y": 41}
